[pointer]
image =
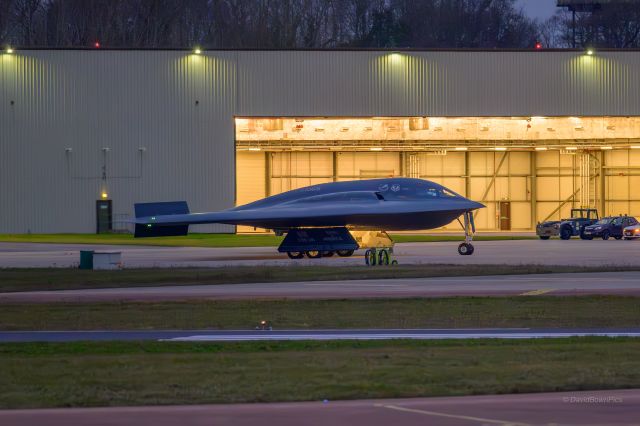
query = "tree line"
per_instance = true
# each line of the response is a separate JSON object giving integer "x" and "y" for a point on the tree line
{"x": 287, "y": 24}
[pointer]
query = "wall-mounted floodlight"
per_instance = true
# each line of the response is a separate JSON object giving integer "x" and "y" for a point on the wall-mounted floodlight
{"x": 68, "y": 150}
{"x": 142, "y": 149}
{"x": 104, "y": 195}
{"x": 9, "y": 50}
{"x": 590, "y": 52}
{"x": 105, "y": 149}
{"x": 197, "y": 51}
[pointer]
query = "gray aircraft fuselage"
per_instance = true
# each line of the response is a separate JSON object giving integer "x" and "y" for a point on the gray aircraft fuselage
{"x": 392, "y": 204}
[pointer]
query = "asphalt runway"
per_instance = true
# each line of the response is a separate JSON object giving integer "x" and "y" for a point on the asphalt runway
{"x": 607, "y": 407}
{"x": 620, "y": 283}
{"x": 512, "y": 252}
{"x": 337, "y": 334}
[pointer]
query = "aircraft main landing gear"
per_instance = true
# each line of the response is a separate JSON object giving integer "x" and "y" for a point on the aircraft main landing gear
{"x": 466, "y": 248}
{"x": 383, "y": 256}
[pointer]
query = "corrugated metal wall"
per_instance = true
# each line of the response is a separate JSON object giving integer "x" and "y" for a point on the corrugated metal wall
{"x": 179, "y": 108}
{"x": 165, "y": 117}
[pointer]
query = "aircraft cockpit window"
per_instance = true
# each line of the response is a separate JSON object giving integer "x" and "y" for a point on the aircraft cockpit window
{"x": 436, "y": 193}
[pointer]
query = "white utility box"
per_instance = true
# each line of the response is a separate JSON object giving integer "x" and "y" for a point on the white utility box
{"x": 107, "y": 260}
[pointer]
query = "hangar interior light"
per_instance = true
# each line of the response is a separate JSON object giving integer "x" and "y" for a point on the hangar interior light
{"x": 432, "y": 134}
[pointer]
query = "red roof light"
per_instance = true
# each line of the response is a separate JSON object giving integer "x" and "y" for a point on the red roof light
{"x": 96, "y": 45}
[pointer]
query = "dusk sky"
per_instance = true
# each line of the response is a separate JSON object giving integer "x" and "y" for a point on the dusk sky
{"x": 541, "y": 9}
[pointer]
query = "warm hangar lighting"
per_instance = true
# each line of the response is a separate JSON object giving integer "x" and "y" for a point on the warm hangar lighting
{"x": 606, "y": 148}
{"x": 104, "y": 195}
{"x": 635, "y": 147}
{"x": 197, "y": 51}
{"x": 421, "y": 133}
{"x": 590, "y": 52}
{"x": 9, "y": 50}
{"x": 571, "y": 148}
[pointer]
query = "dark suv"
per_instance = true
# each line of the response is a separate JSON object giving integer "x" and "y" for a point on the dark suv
{"x": 611, "y": 226}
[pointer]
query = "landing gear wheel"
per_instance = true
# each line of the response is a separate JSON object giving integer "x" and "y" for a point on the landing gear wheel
{"x": 314, "y": 254}
{"x": 295, "y": 254}
{"x": 465, "y": 249}
{"x": 383, "y": 257}
{"x": 544, "y": 237}
{"x": 327, "y": 253}
{"x": 605, "y": 235}
{"x": 345, "y": 253}
{"x": 565, "y": 233}
{"x": 370, "y": 257}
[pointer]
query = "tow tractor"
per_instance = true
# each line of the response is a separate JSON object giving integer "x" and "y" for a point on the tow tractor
{"x": 316, "y": 243}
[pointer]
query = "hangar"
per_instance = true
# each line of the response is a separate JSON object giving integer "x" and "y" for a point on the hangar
{"x": 86, "y": 133}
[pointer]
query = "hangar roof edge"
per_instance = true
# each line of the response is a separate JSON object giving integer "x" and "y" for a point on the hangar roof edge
{"x": 390, "y": 50}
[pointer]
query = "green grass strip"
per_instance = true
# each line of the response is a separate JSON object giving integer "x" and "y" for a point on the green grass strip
{"x": 455, "y": 312}
{"x": 27, "y": 279}
{"x": 133, "y": 373}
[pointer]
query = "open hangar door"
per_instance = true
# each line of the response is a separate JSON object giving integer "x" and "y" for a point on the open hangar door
{"x": 524, "y": 169}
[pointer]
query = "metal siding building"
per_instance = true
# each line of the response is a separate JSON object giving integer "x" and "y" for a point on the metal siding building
{"x": 160, "y": 125}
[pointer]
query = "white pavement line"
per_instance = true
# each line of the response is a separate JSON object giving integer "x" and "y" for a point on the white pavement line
{"x": 435, "y": 336}
{"x": 453, "y": 416}
{"x": 537, "y": 292}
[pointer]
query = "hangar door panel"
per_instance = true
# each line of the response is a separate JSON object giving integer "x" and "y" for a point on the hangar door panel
{"x": 250, "y": 178}
{"x": 367, "y": 165}
{"x": 293, "y": 170}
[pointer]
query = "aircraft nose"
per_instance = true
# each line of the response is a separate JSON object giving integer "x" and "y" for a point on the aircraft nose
{"x": 473, "y": 205}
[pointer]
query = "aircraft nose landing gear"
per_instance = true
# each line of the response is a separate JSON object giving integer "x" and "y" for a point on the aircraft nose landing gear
{"x": 466, "y": 248}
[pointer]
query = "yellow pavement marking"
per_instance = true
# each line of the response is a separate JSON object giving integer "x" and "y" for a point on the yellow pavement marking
{"x": 453, "y": 416}
{"x": 538, "y": 292}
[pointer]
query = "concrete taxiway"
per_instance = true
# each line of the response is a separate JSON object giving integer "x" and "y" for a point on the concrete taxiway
{"x": 621, "y": 283}
{"x": 337, "y": 334}
{"x": 511, "y": 252}
{"x": 607, "y": 407}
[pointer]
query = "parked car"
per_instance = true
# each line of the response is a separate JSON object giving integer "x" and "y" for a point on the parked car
{"x": 567, "y": 228}
{"x": 631, "y": 232}
{"x": 611, "y": 226}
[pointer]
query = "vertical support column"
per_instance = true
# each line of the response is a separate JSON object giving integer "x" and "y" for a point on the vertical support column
{"x": 467, "y": 178}
{"x": 534, "y": 189}
{"x": 603, "y": 182}
{"x": 403, "y": 164}
{"x": 334, "y": 171}
{"x": 267, "y": 174}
